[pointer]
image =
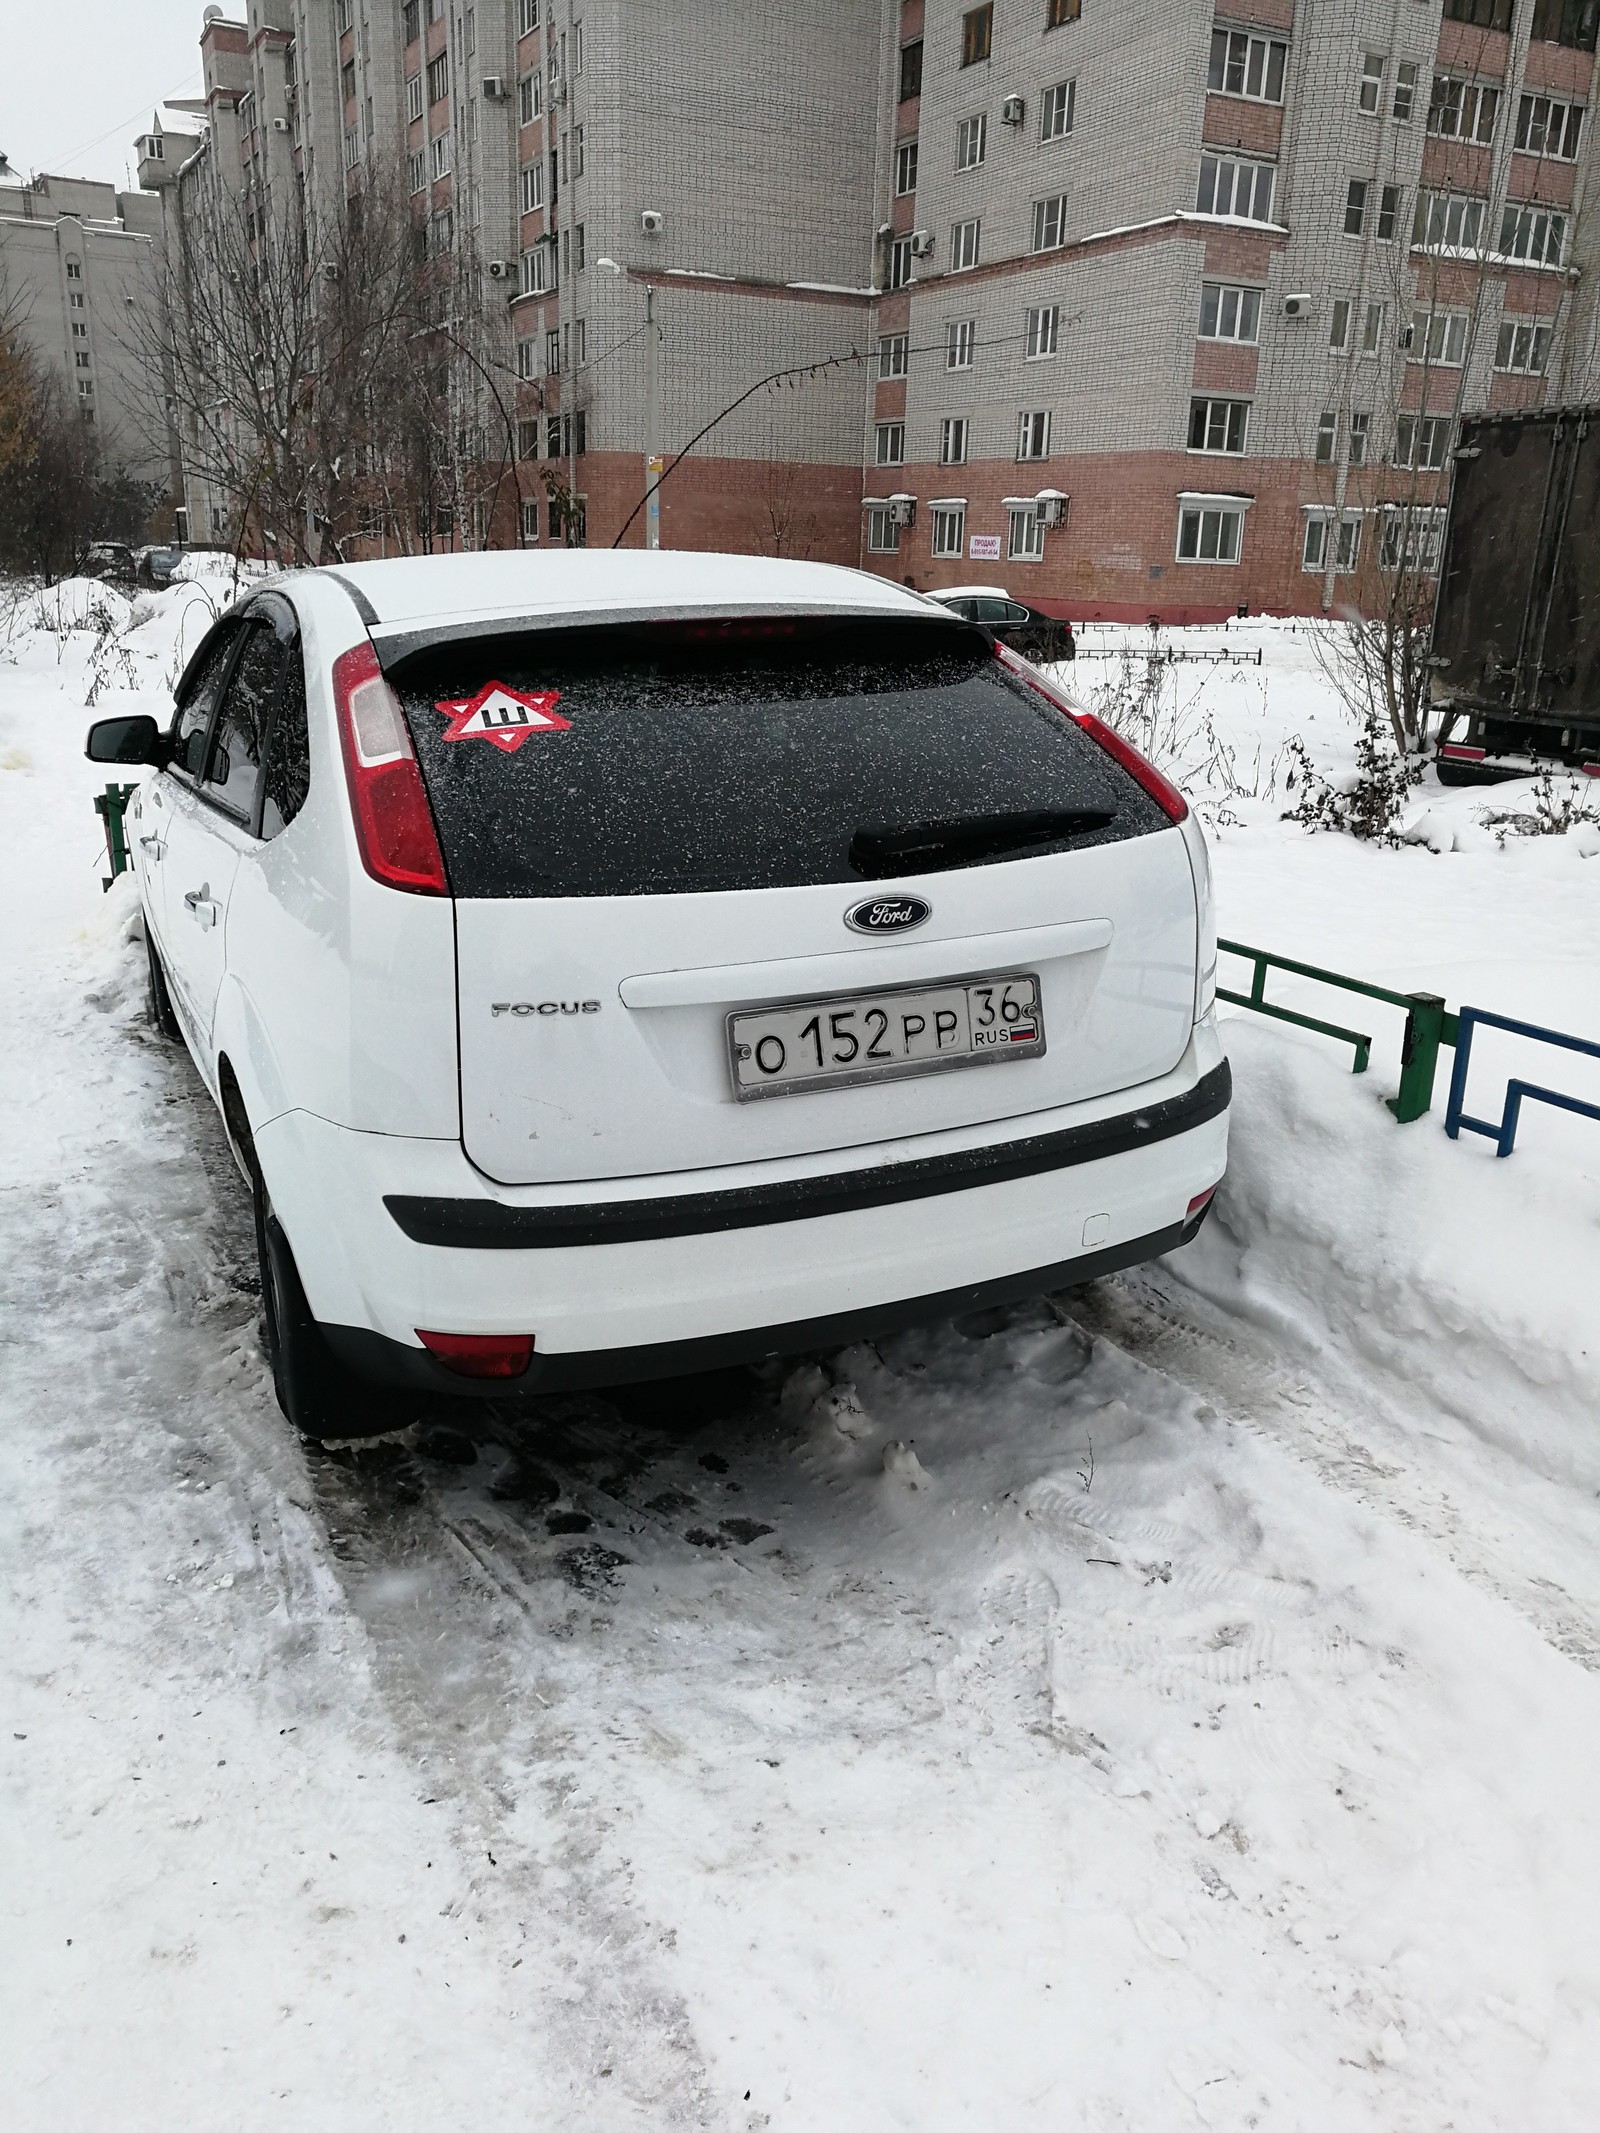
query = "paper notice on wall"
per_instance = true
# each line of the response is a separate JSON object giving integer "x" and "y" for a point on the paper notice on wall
{"x": 984, "y": 548}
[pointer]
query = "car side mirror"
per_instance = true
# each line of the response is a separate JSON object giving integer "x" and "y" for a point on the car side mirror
{"x": 126, "y": 740}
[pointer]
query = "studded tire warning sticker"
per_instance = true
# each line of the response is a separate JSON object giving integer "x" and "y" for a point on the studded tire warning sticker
{"x": 503, "y": 716}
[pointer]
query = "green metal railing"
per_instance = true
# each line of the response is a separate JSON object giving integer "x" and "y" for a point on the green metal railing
{"x": 111, "y": 806}
{"x": 1429, "y": 1024}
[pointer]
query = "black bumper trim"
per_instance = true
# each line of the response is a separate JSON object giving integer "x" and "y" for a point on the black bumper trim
{"x": 490, "y": 1225}
{"x": 373, "y": 1356}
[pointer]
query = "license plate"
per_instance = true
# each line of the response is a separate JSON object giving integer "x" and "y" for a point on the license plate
{"x": 880, "y": 1036}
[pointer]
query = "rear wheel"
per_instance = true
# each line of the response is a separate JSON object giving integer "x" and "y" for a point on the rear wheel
{"x": 317, "y": 1394}
{"x": 158, "y": 999}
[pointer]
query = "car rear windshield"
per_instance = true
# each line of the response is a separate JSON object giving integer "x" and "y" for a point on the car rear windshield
{"x": 643, "y": 760}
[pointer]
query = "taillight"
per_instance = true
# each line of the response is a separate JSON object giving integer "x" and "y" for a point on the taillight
{"x": 1200, "y": 1200}
{"x": 394, "y": 824}
{"x": 480, "y": 1355}
{"x": 1161, "y": 789}
{"x": 1461, "y": 753}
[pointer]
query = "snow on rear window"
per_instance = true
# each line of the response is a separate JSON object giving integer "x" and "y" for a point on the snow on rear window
{"x": 736, "y": 755}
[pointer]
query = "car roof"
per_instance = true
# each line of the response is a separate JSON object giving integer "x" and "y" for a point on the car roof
{"x": 970, "y": 592}
{"x": 411, "y": 600}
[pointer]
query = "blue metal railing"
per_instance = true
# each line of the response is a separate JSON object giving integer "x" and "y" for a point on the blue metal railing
{"x": 1505, "y": 1134}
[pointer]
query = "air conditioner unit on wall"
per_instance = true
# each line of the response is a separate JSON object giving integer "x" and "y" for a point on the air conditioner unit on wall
{"x": 1013, "y": 111}
{"x": 499, "y": 269}
{"x": 280, "y": 125}
{"x": 1051, "y": 507}
{"x": 902, "y": 510}
{"x": 494, "y": 87}
{"x": 1300, "y": 305}
{"x": 921, "y": 243}
{"x": 652, "y": 222}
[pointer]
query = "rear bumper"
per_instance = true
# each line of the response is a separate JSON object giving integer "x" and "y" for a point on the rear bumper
{"x": 643, "y": 1281}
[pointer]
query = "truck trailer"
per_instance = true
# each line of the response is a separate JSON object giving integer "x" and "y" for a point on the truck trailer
{"x": 1516, "y": 626}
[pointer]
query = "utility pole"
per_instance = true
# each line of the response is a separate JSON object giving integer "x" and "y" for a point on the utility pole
{"x": 652, "y": 421}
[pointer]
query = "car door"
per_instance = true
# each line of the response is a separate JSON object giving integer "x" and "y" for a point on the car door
{"x": 196, "y": 702}
{"x": 213, "y": 823}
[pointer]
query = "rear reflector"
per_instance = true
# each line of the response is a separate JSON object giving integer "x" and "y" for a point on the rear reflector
{"x": 480, "y": 1355}
{"x": 1161, "y": 789}
{"x": 1462, "y": 755}
{"x": 1201, "y": 1199}
{"x": 394, "y": 824}
{"x": 1590, "y": 770}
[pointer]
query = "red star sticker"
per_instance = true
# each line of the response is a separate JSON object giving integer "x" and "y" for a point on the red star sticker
{"x": 503, "y": 716}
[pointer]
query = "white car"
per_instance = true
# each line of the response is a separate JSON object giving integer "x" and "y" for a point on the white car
{"x": 613, "y": 965}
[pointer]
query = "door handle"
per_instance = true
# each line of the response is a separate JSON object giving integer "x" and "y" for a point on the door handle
{"x": 152, "y": 845}
{"x": 202, "y": 904}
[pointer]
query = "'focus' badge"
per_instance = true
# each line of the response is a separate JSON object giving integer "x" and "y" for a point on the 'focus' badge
{"x": 887, "y": 914}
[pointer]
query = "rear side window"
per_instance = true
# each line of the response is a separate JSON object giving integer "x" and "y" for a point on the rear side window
{"x": 234, "y": 771}
{"x": 745, "y": 756}
{"x": 288, "y": 776}
{"x": 194, "y": 713}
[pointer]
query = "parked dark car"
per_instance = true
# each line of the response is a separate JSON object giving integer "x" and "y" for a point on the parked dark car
{"x": 156, "y": 564}
{"x": 112, "y": 561}
{"x": 1027, "y": 630}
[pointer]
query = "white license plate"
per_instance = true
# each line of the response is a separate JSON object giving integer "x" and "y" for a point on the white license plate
{"x": 839, "y": 1043}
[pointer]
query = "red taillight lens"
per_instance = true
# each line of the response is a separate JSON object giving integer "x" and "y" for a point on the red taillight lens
{"x": 394, "y": 824}
{"x": 1462, "y": 754}
{"x": 1201, "y": 1199}
{"x": 480, "y": 1355}
{"x": 1161, "y": 789}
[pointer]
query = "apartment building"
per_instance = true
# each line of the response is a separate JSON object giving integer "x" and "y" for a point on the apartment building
{"x": 79, "y": 263}
{"x": 1184, "y": 298}
{"x": 1137, "y": 306}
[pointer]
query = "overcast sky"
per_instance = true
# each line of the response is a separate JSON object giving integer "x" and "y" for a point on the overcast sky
{"x": 79, "y": 78}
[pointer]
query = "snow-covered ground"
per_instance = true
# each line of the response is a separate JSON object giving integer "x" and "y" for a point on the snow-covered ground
{"x": 1197, "y": 1730}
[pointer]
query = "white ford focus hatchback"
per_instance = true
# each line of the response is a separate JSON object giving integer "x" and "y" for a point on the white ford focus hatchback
{"x": 614, "y": 965}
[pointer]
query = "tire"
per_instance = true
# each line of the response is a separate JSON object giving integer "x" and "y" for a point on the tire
{"x": 158, "y": 1000}
{"x": 316, "y": 1393}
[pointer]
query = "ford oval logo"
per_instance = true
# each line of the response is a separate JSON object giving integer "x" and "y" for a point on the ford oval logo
{"x": 887, "y": 914}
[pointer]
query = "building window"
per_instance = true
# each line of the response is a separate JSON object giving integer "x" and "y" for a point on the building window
{"x": 1033, "y": 434}
{"x": 416, "y": 172}
{"x": 1057, "y": 110}
{"x": 1355, "y": 207}
{"x": 74, "y": 270}
{"x": 1569, "y": 22}
{"x": 1058, "y": 13}
{"x": 900, "y": 263}
{"x": 352, "y": 147}
{"x": 536, "y": 270}
{"x": 1422, "y": 441}
{"x": 1462, "y": 110}
{"x": 1339, "y": 325}
{"x": 552, "y": 353}
{"x": 80, "y": 358}
{"x": 577, "y": 151}
{"x": 949, "y": 523}
{"x": 1546, "y": 127}
{"x": 1482, "y": 14}
{"x": 85, "y": 388}
{"x": 76, "y": 300}
{"x": 1346, "y": 545}
{"x": 439, "y": 155}
{"x": 964, "y": 246}
{"x": 977, "y": 34}
{"x": 439, "y": 78}
{"x": 1372, "y": 330}
{"x": 1447, "y": 222}
{"x": 552, "y": 438}
{"x": 1044, "y": 328}
{"x": 960, "y": 337}
{"x": 1411, "y": 538}
{"x": 80, "y": 330}
{"x": 1327, "y": 439}
{"x": 1242, "y": 65}
{"x": 410, "y": 23}
{"x": 532, "y": 187}
{"x": 528, "y": 98}
{"x": 910, "y": 71}
{"x": 1523, "y": 346}
{"x": 1024, "y": 534}
{"x": 1532, "y": 233}
{"x": 1242, "y": 191}
{"x": 953, "y": 441}
{"x": 892, "y": 355}
{"x": 972, "y": 142}
{"x": 1405, "y": 91}
{"x": 528, "y": 367}
{"x": 527, "y": 17}
{"x": 1229, "y": 313}
{"x": 1210, "y": 532}
{"x": 905, "y": 169}
{"x": 1369, "y": 91}
{"x": 1360, "y": 434}
{"x": 1218, "y": 425}
{"x": 347, "y": 81}
{"x": 1388, "y": 213}
{"x": 1049, "y": 224}
{"x": 883, "y": 535}
{"x": 890, "y": 444}
{"x": 1439, "y": 337}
